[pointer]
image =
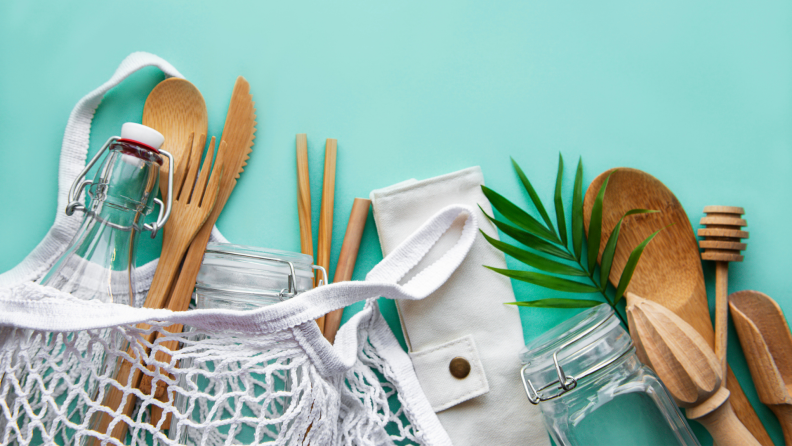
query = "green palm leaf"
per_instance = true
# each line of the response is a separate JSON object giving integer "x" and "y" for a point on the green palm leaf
{"x": 518, "y": 216}
{"x": 578, "y": 233}
{"x": 558, "y": 303}
{"x": 543, "y": 280}
{"x": 629, "y": 268}
{"x": 595, "y": 226}
{"x": 559, "y": 204}
{"x": 532, "y": 193}
{"x": 536, "y": 261}
{"x": 610, "y": 247}
{"x": 529, "y": 239}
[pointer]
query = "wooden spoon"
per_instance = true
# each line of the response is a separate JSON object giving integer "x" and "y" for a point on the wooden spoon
{"x": 688, "y": 367}
{"x": 176, "y": 109}
{"x": 767, "y": 344}
{"x": 669, "y": 272}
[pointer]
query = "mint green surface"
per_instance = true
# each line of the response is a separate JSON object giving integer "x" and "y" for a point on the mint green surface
{"x": 696, "y": 93}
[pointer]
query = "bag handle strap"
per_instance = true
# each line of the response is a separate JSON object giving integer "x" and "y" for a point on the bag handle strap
{"x": 61, "y": 312}
{"x": 74, "y": 152}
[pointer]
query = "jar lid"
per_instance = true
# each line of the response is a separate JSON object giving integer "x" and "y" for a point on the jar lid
{"x": 247, "y": 271}
{"x": 576, "y": 348}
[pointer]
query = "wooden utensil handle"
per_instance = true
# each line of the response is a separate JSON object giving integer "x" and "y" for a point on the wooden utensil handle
{"x": 717, "y": 416}
{"x": 721, "y": 313}
{"x": 125, "y": 374}
{"x": 161, "y": 390}
{"x": 784, "y": 414}
{"x": 346, "y": 259}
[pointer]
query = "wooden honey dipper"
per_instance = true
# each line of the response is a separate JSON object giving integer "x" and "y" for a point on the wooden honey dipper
{"x": 721, "y": 243}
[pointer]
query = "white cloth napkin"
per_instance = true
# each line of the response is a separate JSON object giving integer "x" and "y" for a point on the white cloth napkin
{"x": 464, "y": 318}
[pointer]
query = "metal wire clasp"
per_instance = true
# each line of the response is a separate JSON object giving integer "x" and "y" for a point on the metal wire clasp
{"x": 80, "y": 183}
{"x": 565, "y": 383}
{"x": 291, "y": 283}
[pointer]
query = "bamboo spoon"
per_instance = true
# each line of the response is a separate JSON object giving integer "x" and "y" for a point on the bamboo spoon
{"x": 669, "y": 272}
{"x": 721, "y": 243}
{"x": 346, "y": 259}
{"x": 687, "y": 366}
{"x": 176, "y": 109}
{"x": 192, "y": 204}
{"x": 767, "y": 344}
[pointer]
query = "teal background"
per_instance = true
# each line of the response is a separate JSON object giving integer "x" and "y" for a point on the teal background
{"x": 695, "y": 93}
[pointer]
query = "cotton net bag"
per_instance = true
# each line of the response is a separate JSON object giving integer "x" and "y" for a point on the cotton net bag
{"x": 265, "y": 376}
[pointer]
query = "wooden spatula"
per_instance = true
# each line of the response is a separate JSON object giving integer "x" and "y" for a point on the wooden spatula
{"x": 669, "y": 272}
{"x": 767, "y": 344}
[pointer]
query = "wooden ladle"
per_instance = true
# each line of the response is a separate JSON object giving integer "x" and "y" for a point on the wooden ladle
{"x": 669, "y": 272}
{"x": 767, "y": 344}
{"x": 688, "y": 367}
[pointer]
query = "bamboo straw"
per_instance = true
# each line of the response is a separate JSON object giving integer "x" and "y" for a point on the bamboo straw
{"x": 347, "y": 258}
{"x": 326, "y": 212}
{"x": 304, "y": 202}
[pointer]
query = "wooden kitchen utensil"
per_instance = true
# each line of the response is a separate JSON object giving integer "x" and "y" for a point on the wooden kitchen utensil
{"x": 346, "y": 259}
{"x": 669, "y": 272}
{"x": 235, "y": 148}
{"x": 176, "y": 109}
{"x": 326, "y": 212}
{"x": 193, "y": 201}
{"x": 237, "y": 144}
{"x": 687, "y": 366}
{"x": 721, "y": 243}
{"x": 304, "y": 203}
{"x": 767, "y": 344}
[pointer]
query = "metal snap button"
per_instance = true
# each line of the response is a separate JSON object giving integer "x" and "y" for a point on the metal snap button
{"x": 459, "y": 367}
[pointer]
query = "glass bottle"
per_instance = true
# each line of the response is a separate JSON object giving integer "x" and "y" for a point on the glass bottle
{"x": 99, "y": 263}
{"x": 592, "y": 389}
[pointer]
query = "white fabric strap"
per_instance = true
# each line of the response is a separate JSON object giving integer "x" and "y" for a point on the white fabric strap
{"x": 74, "y": 152}
{"x": 59, "y": 311}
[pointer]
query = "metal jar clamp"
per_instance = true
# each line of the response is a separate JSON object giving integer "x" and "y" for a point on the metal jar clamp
{"x": 567, "y": 383}
{"x": 80, "y": 183}
{"x": 286, "y": 293}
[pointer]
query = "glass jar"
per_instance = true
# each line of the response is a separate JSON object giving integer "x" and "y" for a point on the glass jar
{"x": 237, "y": 277}
{"x": 593, "y": 390}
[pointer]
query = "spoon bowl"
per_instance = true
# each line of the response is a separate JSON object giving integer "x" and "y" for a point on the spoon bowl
{"x": 176, "y": 109}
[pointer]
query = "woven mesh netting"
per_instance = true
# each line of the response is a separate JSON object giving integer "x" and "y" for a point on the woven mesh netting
{"x": 130, "y": 382}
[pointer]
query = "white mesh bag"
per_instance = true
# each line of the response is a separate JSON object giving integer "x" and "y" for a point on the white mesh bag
{"x": 265, "y": 376}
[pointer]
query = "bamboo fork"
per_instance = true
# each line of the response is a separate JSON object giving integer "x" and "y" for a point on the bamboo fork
{"x": 192, "y": 203}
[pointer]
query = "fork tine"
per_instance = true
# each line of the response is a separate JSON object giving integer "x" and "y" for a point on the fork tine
{"x": 192, "y": 169}
{"x": 181, "y": 166}
{"x": 200, "y": 185}
{"x": 217, "y": 175}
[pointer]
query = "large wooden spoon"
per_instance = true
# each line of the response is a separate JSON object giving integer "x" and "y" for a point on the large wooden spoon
{"x": 767, "y": 344}
{"x": 176, "y": 109}
{"x": 669, "y": 272}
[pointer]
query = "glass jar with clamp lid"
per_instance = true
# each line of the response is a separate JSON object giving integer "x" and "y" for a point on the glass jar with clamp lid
{"x": 592, "y": 389}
